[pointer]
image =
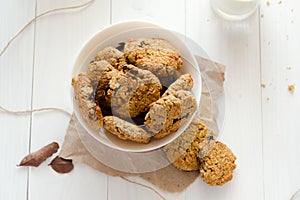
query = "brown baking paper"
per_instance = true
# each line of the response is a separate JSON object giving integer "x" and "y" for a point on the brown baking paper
{"x": 168, "y": 178}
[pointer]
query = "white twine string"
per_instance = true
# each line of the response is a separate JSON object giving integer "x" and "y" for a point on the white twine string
{"x": 295, "y": 194}
{"x": 145, "y": 186}
{"x": 39, "y": 16}
{"x": 34, "y": 110}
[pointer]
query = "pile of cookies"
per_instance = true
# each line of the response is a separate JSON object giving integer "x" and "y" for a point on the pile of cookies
{"x": 136, "y": 83}
{"x": 136, "y": 92}
{"x": 196, "y": 149}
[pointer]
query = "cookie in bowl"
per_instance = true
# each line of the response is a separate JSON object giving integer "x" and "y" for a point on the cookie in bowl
{"x": 83, "y": 93}
{"x": 168, "y": 113}
{"x": 156, "y": 55}
{"x": 132, "y": 91}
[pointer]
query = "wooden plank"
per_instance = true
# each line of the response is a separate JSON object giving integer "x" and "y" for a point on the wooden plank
{"x": 171, "y": 15}
{"x": 59, "y": 38}
{"x": 280, "y": 45}
{"x": 120, "y": 188}
{"x": 167, "y": 13}
{"x": 235, "y": 44}
{"x": 15, "y": 85}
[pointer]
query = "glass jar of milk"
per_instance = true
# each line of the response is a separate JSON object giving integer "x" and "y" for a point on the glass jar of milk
{"x": 234, "y": 9}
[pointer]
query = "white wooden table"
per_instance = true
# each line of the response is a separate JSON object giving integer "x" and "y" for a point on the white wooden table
{"x": 262, "y": 125}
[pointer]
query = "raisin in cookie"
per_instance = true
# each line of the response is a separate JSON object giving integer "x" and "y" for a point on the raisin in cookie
{"x": 125, "y": 130}
{"x": 132, "y": 91}
{"x": 168, "y": 113}
{"x": 217, "y": 167}
{"x": 156, "y": 55}
{"x": 184, "y": 82}
{"x": 183, "y": 151}
{"x": 83, "y": 92}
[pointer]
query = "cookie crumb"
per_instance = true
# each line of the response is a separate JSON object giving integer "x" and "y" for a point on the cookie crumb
{"x": 268, "y": 3}
{"x": 291, "y": 88}
{"x": 288, "y": 68}
{"x": 279, "y": 2}
{"x": 262, "y": 15}
{"x": 263, "y": 85}
{"x": 268, "y": 99}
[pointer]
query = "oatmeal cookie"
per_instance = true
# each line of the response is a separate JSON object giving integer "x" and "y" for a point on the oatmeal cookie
{"x": 103, "y": 100}
{"x": 155, "y": 43}
{"x": 132, "y": 91}
{"x": 125, "y": 130}
{"x": 163, "y": 116}
{"x": 183, "y": 151}
{"x": 188, "y": 104}
{"x": 83, "y": 92}
{"x": 156, "y": 55}
{"x": 120, "y": 62}
{"x": 168, "y": 113}
{"x": 95, "y": 70}
{"x": 184, "y": 82}
{"x": 217, "y": 167}
{"x": 110, "y": 54}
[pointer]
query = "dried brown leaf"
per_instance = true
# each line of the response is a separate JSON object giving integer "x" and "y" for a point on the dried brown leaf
{"x": 36, "y": 158}
{"x": 61, "y": 165}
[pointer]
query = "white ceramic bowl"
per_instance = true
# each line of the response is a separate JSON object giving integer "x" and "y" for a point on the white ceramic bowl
{"x": 121, "y": 32}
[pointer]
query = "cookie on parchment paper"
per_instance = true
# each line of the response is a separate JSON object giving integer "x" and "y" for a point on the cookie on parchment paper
{"x": 183, "y": 151}
{"x": 217, "y": 167}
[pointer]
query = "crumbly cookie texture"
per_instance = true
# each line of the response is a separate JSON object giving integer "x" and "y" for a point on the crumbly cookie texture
{"x": 155, "y": 43}
{"x": 188, "y": 104}
{"x": 120, "y": 62}
{"x": 183, "y": 151}
{"x": 125, "y": 130}
{"x": 132, "y": 91}
{"x": 217, "y": 167}
{"x": 103, "y": 100}
{"x": 83, "y": 92}
{"x": 184, "y": 82}
{"x": 168, "y": 113}
{"x": 95, "y": 70}
{"x": 156, "y": 55}
{"x": 163, "y": 117}
{"x": 110, "y": 54}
